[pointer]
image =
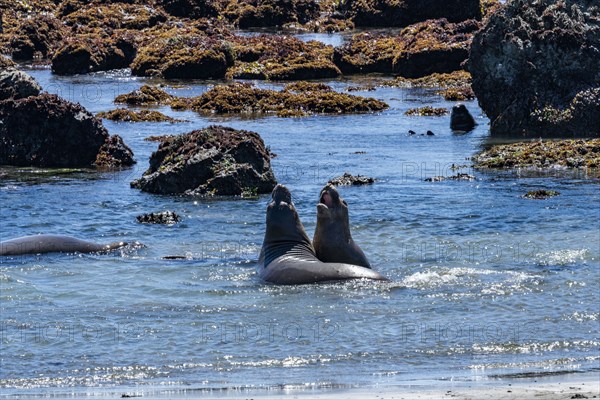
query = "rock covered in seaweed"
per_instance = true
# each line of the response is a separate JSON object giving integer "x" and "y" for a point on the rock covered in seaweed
{"x": 259, "y": 13}
{"x": 421, "y": 49}
{"x": 124, "y": 115}
{"x": 542, "y": 155}
{"x": 212, "y": 161}
{"x": 163, "y": 217}
{"x": 349, "y": 179}
{"x": 48, "y": 131}
{"x": 535, "y": 68}
{"x": 405, "y": 12}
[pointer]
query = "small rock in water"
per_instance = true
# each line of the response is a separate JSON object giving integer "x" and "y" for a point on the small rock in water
{"x": 429, "y": 133}
{"x": 457, "y": 177}
{"x": 164, "y": 217}
{"x": 411, "y": 132}
{"x": 349, "y": 179}
{"x": 540, "y": 194}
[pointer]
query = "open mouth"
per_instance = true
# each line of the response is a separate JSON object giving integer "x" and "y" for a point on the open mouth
{"x": 281, "y": 193}
{"x": 329, "y": 197}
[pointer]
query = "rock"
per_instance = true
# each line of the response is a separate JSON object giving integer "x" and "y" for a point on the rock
{"x": 405, "y": 12}
{"x": 190, "y": 8}
{"x": 15, "y": 84}
{"x": 146, "y": 95}
{"x": 295, "y": 100}
{"x": 213, "y": 161}
{"x": 48, "y": 131}
{"x": 36, "y": 35}
{"x": 115, "y": 15}
{"x": 124, "y": 115}
{"x": 429, "y": 133}
{"x": 349, "y": 179}
{"x": 427, "y": 111}
{"x": 457, "y": 177}
{"x": 542, "y": 155}
{"x": 457, "y": 94}
{"x": 542, "y": 194}
{"x": 277, "y": 57}
{"x": 187, "y": 55}
{"x": 80, "y": 56}
{"x": 535, "y": 68}
{"x": 6, "y": 62}
{"x": 164, "y": 217}
{"x": 257, "y": 13}
{"x": 461, "y": 119}
{"x": 435, "y": 46}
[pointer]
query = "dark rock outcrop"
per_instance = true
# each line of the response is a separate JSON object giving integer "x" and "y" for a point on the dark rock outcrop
{"x": 48, "y": 131}
{"x": 80, "y": 56}
{"x": 163, "y": 217}
{"x": 213, "y": 161}
{"x": 535, "y": 68}
{"x": 15, "y": 84}
{"x": 405, "y": 12}
{"x": 461, "y": 119}
{"x": 36, "y": 36}
{"x": 541, "y": 194}
{"x": 257, "y": 13}
{"x": 349, "y": 179}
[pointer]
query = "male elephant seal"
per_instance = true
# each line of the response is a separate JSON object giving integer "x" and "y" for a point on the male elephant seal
{"x": 38, "y": 244}
{"x": 332, "y": 239}
{"x": 287, "y": 257}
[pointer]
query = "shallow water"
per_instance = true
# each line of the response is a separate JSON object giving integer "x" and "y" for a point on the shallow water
{"x": 484, "y": 282}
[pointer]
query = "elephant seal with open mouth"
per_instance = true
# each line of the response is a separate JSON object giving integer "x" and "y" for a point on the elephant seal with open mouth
{"x": 38, "y": 244}
{"x": 288, "y": 258}
{"x": 332, "y": 239}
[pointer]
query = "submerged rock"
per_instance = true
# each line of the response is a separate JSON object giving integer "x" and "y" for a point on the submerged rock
{"x": 213, "y": 161}
{"x": 461, "y": 119}
{"x": 163, "y": 217}
{"x": 48, "y": 131}
{"x": 542, "y": 194}
{"x": 15, "y": 84}
{"x": 535, "y": 68}
{"x": 146, "y": 95}
{"x": 542, "y": 155}
{"x": 458, "y": 177}
{"x": 349, "y": 179}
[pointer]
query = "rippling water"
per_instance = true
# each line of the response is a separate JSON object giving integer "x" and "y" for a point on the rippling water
{"x": 484, "y": 282}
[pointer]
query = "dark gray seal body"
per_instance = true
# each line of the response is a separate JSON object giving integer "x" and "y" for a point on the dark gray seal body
{"x": 288, "y": 258}
{"x": 332, "y": 239}
{"x": 461, "y": 119}
{"x": 38, "y": 244}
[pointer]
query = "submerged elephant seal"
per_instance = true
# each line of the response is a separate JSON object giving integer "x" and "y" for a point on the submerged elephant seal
{"x": 38, "y": 244}
{"x": 332, "y": 239}
{"x": 461, "y": 119}
{"x": 287, "y": 256}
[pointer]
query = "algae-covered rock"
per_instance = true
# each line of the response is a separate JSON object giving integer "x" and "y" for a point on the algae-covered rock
{"x": 427, "y": 111}
{"x": 421, "y": 49}
{"x": 348, "y": 179}
{"x": 124, "y": 115}
{"x": 405, "y": 12}
{"x": 80, "y": 55}
{"x": 542, "y": 155}
{"x": 535, "y": 68}
{"x": 278, "y": 57}
{"x": 163, "y": 217}
{"x": 37, "y": 35}
{"x": 146, "y": 95}
{"x": 213, "y": 161}
{"x": 48, "y": 131}
{"x": 257, "y": 13}
{"x": 296, "y": 99}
